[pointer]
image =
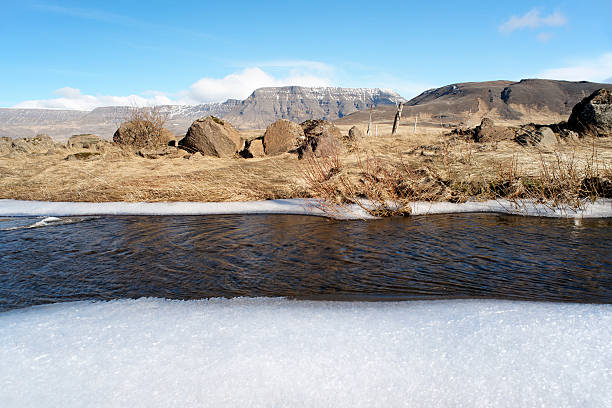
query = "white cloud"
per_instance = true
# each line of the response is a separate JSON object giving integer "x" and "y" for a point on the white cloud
{"x": 72, "y": 98}
{"x": 532, "y": 19}
{"x": 238, "y": 85}
{"x": 595, "y": 69}
{"x": 544, "y": 37}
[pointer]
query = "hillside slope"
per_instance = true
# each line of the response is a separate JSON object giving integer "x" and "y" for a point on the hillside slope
{"x": 525, "y": 101}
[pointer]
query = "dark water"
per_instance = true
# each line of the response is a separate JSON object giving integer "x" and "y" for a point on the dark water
{"x": 191, "y": 257}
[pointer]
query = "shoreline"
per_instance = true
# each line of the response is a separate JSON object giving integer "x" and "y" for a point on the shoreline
{"x": 601, "y": 208}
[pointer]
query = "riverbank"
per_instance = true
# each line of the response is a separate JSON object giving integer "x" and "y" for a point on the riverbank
{"x": 441, "y": 168}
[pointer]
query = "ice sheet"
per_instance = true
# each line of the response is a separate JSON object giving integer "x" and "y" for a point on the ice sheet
{"x": 283, "y": 353}
{"x": 598, "y": 209}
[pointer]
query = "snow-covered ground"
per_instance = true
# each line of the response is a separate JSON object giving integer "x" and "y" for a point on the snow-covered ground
{"x": 272, "y": 352}
{"x": 601, "y": 208}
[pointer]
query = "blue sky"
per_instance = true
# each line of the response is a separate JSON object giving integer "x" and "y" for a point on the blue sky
{"x": 78, "y": 55}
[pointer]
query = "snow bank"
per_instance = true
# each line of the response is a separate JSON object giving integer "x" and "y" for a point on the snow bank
{"x": 283, "y": 353}
{"x": 599, "y": 209}
{"x": 62, "y": 209}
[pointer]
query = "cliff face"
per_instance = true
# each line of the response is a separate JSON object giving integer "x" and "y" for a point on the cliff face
{"x": 295, "y": 103}
{"x": 263, "y": 107}
{"x": 61, "y": 124}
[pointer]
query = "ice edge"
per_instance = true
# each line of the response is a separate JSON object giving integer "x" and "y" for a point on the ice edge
{"x": 8, "y": 207}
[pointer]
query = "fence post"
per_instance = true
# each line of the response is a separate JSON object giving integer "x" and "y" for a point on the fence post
{"x": 398, "y": 117}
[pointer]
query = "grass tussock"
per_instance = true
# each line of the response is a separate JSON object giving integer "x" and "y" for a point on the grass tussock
{"x": 455, "y": 171}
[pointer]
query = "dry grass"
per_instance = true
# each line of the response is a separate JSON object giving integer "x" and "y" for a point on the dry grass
{"x": 401, "y": 168}
{"x": 384, "y": 180}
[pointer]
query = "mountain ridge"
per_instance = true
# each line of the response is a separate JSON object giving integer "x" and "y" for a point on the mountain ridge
{"x": 263, "y": 107}
{"x": 467, "y": 103}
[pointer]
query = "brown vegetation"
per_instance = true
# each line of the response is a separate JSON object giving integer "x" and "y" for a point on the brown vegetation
{"x": 406, "y": 167}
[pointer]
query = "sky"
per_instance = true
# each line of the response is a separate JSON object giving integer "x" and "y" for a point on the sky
{"x": 84, "y": 54}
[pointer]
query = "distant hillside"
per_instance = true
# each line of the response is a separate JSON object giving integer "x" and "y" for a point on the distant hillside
{"x": 524, "y": 101}
{"x": 264, "y": 106}
{"x": 298, "y": 104}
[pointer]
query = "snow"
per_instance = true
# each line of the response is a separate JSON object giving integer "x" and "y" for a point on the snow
{"x": 273, "y": 352}
{"x": 598, "y": 209}
{"x": 62, "y": 209}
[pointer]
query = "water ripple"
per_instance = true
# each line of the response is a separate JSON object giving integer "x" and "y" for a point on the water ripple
{"x": 191, "y": 257}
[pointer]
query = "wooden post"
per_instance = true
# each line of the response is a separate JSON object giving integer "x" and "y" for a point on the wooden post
{"x": 398, "y": 117}
{"x": 369, "y": 133}
{"x": 416, "y": 117}
{"x": 376, "y": 127}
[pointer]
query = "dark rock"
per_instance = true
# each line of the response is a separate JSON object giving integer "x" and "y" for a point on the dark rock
{"x": 282, "y": 136}
{"x": 322, "y": 139}
{"x": 212, "y": 137}
{"x": 593, "y": 115}
{"x": 142, "y": 133}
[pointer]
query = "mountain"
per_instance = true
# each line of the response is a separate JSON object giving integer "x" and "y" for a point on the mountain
{"x": 529, "y": 100}
{"x": 61, "y": 124}
{"x": 298, "y": 104}
{"x": 262, "y": 107}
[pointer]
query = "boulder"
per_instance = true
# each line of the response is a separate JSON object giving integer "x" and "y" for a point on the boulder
{"x": 355, "y": 133}
{"x": 353, "y": 137}
{"x": 282, "y": 136}
{"x": 212, "y": 136}
{"x": 39, "y": 144}
{"x": 488, "y": 132}
{"x": 323, "y": 139}
{"x": 256, "y": 148}
{"x": 142, "y": 133}
{"x": 546, "y": 137}
{"x": 195, "y": 156}
{"x": 160, "y": 152}
{"x": 532, "y": 135}
{"x": 84, "y": 141}
{"x": 6, "y": 144}
{"x": 593, "y": 115}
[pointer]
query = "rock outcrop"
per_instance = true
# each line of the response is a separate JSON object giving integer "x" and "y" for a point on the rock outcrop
{"x": 296, "y": 103}
{"x": 593, "y": 115}
{"x": 39, "y": 144}
{"x": 322, "y": 139}
{"x": 142, "y": 133}
{"x": 212, "y": 136}
{"x": 282, "y": 136}
{"x": 488, "y": 132}
{"x": 85, "y": 141}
